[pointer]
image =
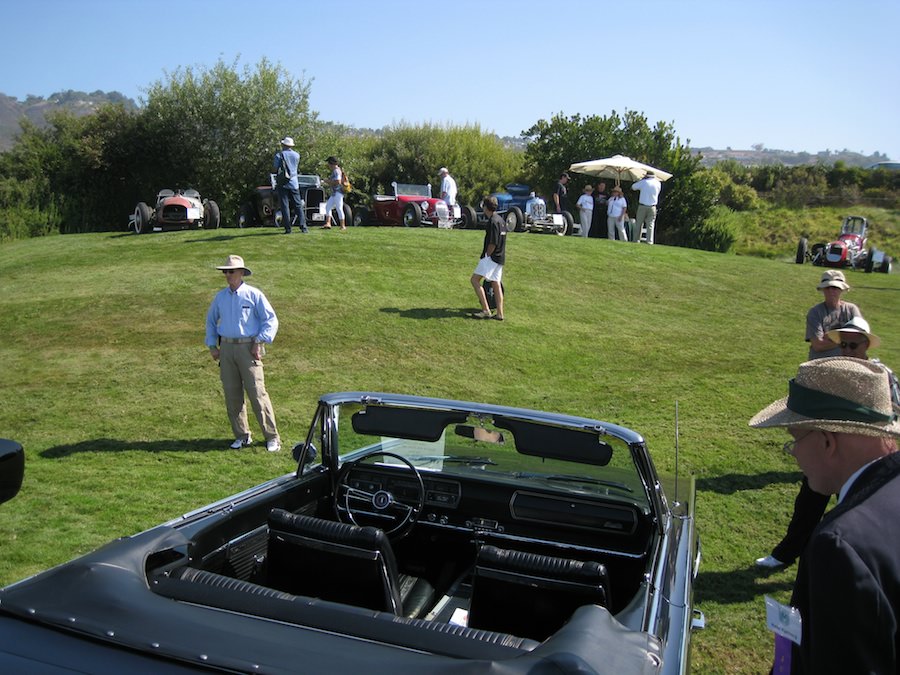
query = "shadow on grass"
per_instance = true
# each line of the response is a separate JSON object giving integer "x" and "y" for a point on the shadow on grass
{"x": 239, "y": 233}
{"x": 113, "y": 445}
{"x": 432, "y": 312}
{"x": 742, "y": 585}
{"x": 736, "y": 482}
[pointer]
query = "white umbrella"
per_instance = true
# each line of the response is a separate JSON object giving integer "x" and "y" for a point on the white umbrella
{"x": 619, "y": 167}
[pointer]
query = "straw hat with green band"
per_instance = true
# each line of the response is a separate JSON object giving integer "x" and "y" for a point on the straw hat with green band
{"x": 839, "y": 394}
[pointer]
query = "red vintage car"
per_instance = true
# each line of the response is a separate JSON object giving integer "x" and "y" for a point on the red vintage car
{"x": 175, "y": 210}
{"x": 413, "y": 206}
{"x": 850, "y": 249}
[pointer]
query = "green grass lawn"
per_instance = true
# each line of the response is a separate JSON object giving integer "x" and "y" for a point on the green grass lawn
{"x": 110, "y": 389}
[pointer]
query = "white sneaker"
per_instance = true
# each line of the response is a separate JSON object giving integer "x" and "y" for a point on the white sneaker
{"x": 239, "y": 443}
{"x": 273, "y": 445}
{"x": 769, "y": 562}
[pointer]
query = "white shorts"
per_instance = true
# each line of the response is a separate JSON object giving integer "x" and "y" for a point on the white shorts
{"x": 488, "y": 269}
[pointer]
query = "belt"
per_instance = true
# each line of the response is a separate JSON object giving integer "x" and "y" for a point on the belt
{"x": 237, "y": 341}
{"x": 647, "y": 205}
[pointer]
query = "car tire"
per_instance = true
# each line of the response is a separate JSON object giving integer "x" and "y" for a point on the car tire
{"x": 570, "y": 224}
{"x": 412, "y": 215}
{"x": 211, "y": 215}
{"x": 802, "y": 249}
{"x": 348, "y": 215}
{"x": 361, "y": 216}
{"x": 870, "y": 261}
{"x": 514, "y": 219}
{"x": 247, "y": 217}
{"x": 817, "y": 253}
{"x": 142, "y": 218}
{"x": 886, "y": 265}
{"x": 469, "y": 218}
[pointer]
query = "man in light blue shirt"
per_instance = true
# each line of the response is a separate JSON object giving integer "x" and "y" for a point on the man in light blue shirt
{"x": 239, "y": 322}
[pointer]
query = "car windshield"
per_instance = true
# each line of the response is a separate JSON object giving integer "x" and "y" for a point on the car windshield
{"x": 309, "y": 181}
{"x": 854, "y": 225}
{"x": 407, "y": 189}
{"x": 494, "y": 447}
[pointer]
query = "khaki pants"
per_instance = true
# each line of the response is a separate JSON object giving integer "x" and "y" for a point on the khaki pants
{"x": 646, "y": 215}
{"x": 241, "y": 372}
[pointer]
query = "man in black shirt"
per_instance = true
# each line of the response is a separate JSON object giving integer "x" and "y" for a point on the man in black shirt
{"x": 560, "y": 199}
{"x": 490, "y": 264}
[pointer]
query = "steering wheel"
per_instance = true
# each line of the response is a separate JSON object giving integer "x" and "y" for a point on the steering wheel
{"x": 382, "y": 502}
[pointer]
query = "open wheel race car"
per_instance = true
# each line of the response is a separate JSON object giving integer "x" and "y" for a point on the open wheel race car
{"x": 414, "y": 535}
{"x": 413, "y": 206}
{"x": 850, "y": 249}
{"x": 175, "y": 210}
{"x": 524, "y": 211}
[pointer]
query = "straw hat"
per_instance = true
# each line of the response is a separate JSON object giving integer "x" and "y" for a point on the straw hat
{"x": 839, "y": 394}
{"x": 856, "y": 325}
{"x": 833, "y": 278}
{"x": 287, "y": 141}
{"x": 235, "y": 262}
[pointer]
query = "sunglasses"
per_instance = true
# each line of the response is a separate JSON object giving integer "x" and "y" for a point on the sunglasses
{"x": 853, "y": 345}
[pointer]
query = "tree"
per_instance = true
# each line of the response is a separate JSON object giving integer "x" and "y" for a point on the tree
{"x": 217, "y": 129}
{"x": 480, "y": 162}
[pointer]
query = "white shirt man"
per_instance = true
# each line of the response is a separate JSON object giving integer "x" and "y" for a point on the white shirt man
{"x": 649, "y": 187}
{"x": 448, "y": 186}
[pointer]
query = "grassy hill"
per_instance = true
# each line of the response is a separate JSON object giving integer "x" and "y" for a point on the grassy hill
{"x": 110, "y": 389}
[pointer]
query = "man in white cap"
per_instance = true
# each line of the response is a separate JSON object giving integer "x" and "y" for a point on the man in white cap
{"x": 828, "y": 315}
{"x": 287, "y": 163}
{"x": 239, "y": 322}
{"x": 854, "y": 339}
{"x": 448, "y": 186}
{"x": 649, "y": 188}
{"x": 844, "y": 435}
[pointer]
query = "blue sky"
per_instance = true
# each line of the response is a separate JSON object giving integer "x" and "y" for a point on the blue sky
{"x": 792, "y": 75}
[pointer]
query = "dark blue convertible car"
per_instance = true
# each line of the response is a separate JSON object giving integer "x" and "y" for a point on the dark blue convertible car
{"x": 415, "y": 535}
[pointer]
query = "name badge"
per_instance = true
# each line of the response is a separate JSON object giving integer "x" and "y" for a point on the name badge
{"x": 783, "y": 620}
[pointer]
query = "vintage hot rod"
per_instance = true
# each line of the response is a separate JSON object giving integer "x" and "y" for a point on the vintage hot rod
{"x": 413, "y": 206}
{"x": 175, "y": 210}
{"x": 415, "y": 535}
{"x": 850, "y": 249}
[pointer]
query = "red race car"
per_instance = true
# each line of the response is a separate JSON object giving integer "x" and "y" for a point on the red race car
{"x": 413, "y": 206}
{"x": 175, "y": 210}
{"x": 850, "y": 249}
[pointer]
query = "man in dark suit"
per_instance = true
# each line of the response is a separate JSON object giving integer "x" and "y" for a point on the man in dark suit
{"x": 844, "y": 438}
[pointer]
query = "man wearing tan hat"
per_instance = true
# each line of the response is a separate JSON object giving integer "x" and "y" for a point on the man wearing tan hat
{"x": 828, "y": 315}
{"x": 239, "y": 322}
{"x": 854, "y": 339}
{"x": 844, "y": 435}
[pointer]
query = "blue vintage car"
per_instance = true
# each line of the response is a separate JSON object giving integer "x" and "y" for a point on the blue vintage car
{"x": 524, "y": 211}
{"x": 415, "y": 535}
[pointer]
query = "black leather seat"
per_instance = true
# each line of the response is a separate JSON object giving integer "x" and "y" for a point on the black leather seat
{"x": 532, "y": 595}
{"x": 341, "y": 563}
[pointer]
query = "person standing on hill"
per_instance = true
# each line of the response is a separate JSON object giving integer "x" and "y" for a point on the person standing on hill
{"x": 616, "y": 209}
{"x": 448, "y": 186}
{"x": 585, "y": 205}
{"x": 286, "y": 166}
{"x": 649, "y": 187}
{"x": 828, "y": 315}
{"x": 598, "y": 216}
{"x": 560, "y": 194}
{"x": 490, "y": 264}
{"x": 240, "y": 321}
{"x": 336, "y": 200}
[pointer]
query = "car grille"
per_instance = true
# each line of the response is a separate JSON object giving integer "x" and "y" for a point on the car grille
{"x": 538, "y": 211}
{"x": 174, "y": 212}
{"x": 443, "y": 213}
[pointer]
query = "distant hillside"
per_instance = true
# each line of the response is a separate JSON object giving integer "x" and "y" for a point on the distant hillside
{"x": 760, "y": 156}
{"x": 35, "y": 109}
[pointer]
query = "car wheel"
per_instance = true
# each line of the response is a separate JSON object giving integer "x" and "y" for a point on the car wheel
{"x": 514, "y": 219}
{"x": 801, "y": 251}
{"x": 817, "y": 254}
{"x": 886, "y": 264}
{"x": 412, "y": 215}
{"x": 141, "y": 218}
{"x": 247, "y": 217}
{"x": 348, "y": 215}
{"x": 569, "y": 222}
{"x": 211, "y": 216}
{"x": 870, "y": 260}
{"x": 469, "y": 218}
{"x": 361, "y": 216}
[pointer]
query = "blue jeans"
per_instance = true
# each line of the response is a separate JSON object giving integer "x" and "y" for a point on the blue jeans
{"x": 288, "y": 194}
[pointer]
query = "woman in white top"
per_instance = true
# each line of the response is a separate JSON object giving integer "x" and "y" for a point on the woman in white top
{"x": 585, "y": 206}
{"x": 616, "y": 208}
{"x": 336, "y": 200}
